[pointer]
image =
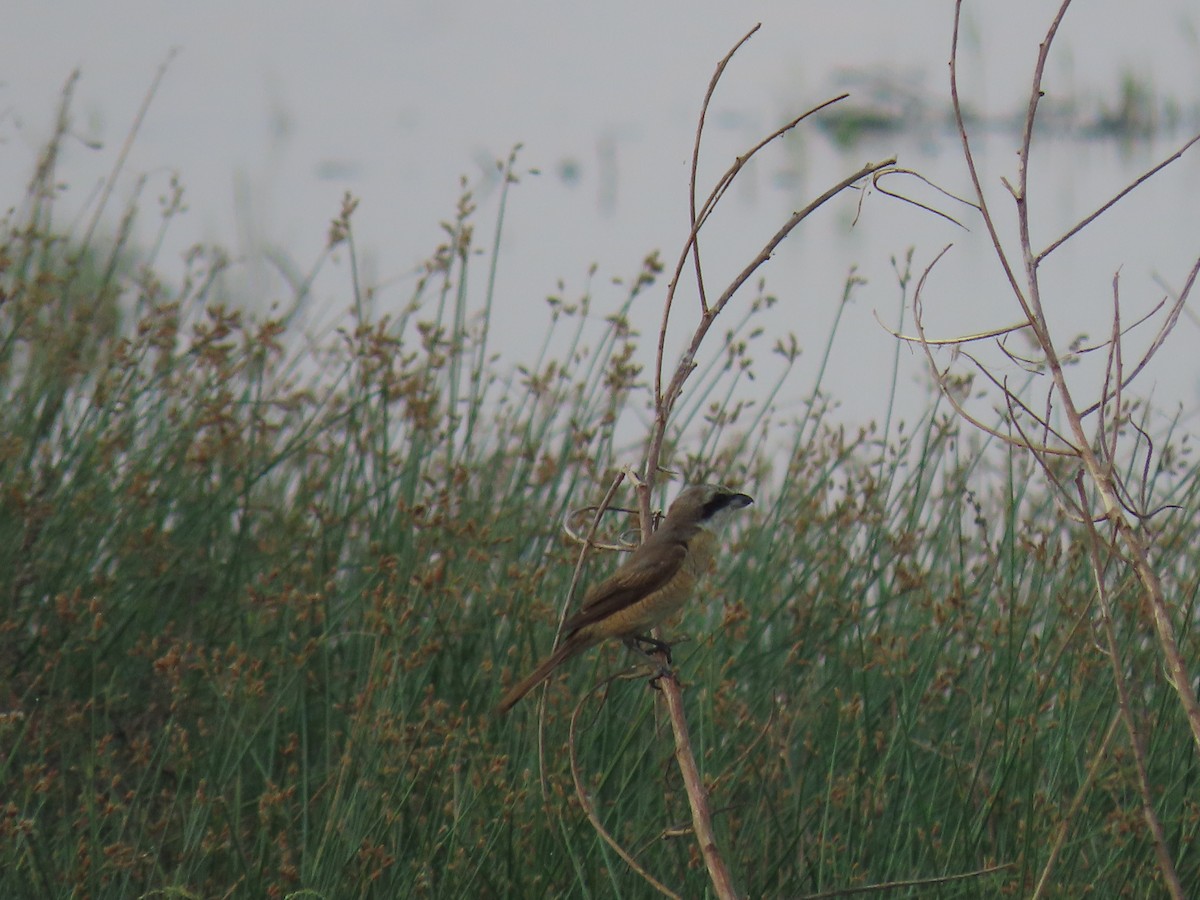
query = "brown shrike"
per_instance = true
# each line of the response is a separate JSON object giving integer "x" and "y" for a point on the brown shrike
{"x": 649, "y": 587}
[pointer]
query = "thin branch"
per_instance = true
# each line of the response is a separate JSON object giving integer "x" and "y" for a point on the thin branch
{"x": 562, "y": 618}
{"x": 583, "y": 539}
{"x": 1060, "y": 838}
{"x": 1037, "y": 317}
{"x": 912, "y": 883}
{"x": 940, "y": 377}
{"x": 589, "y": 808}
{"x": 1088, "y": 220}
{"x": 954, "y": 341}
{"x": 768, "y": 249}
{"x": 726, "y": 180}
{"x": 1114, "y": 363}
{"x": 1163, "y": 507}
{"x": 710, "y": 204}
{"x": 697, "y": 793}
{"x": 664, "y": 400}
{"x": 876, "y": 181}
{"x": 969, "y": 158}
{"x": 1092, "y": 348}
{"x": 1027, "y": 364}
{"x": 1137, "y": 741}
{"x": 712, "y": 87}
{"x": 1042, "y": 421}
{"x": 1159, "y": 339}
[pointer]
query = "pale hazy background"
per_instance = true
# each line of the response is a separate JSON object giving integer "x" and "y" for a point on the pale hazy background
{"x": 269, "y": 112}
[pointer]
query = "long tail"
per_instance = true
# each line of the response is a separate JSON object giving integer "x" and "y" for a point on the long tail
{"x": 570, "y": 647}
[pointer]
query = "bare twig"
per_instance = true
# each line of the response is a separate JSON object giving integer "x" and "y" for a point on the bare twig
{"x": 1115, "y": 363}
{"x": 1098, "y": 467}
{"x": 1168, "y": 325}
{"x": 592, "y": 544}
{"x": 911, "y": 883}
{"x": 1130, "y": 188}
{"x": 957, "y": 340}
{"x": 1109, "y": 500}
{"x": 1016, "y": 403}
{"x": 941, "y": 377}
{"x": 710, "y": 204}
{"x": 665, "y": 398}
{"x": 877, "y": 181}
{"x": 589, "y": 808}
{"x": 726, "y": 180}
{"x": 562, "y": 618}
{"x": 1137, "y": 740}
{"x": 696, "y": 221}
{"x": 1064, "y": 826}
{"x": 1005, "y": 330}
{"x": 697, "y": 793}
{"x": 973, "y": 171}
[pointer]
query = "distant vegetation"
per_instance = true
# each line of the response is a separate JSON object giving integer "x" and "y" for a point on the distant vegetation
{"x": 885, "y": 103}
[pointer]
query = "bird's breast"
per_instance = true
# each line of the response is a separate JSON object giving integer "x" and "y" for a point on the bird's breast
{"x": 699, "y": 560}
{"x": 641, "y": 616}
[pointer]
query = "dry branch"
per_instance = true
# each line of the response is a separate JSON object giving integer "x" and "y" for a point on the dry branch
{"x": 1106, "y": 503}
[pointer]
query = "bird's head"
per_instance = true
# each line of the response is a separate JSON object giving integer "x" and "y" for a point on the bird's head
{"x": 704, "y": 506}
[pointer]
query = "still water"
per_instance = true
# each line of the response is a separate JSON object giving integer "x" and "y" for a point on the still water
{"x": 269, "y": 114}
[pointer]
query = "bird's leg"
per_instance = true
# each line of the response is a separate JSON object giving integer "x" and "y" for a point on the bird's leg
{"x": 661, "y": 670}
{"x": 656, "y": 645}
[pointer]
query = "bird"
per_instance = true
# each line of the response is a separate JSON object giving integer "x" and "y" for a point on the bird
{"x": 649, "y": 587}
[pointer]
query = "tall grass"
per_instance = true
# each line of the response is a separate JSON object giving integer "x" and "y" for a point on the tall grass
{"x": 258, "y": 606}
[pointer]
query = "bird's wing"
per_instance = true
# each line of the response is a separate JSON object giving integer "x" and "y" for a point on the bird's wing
{"x": 642, "y": 574}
